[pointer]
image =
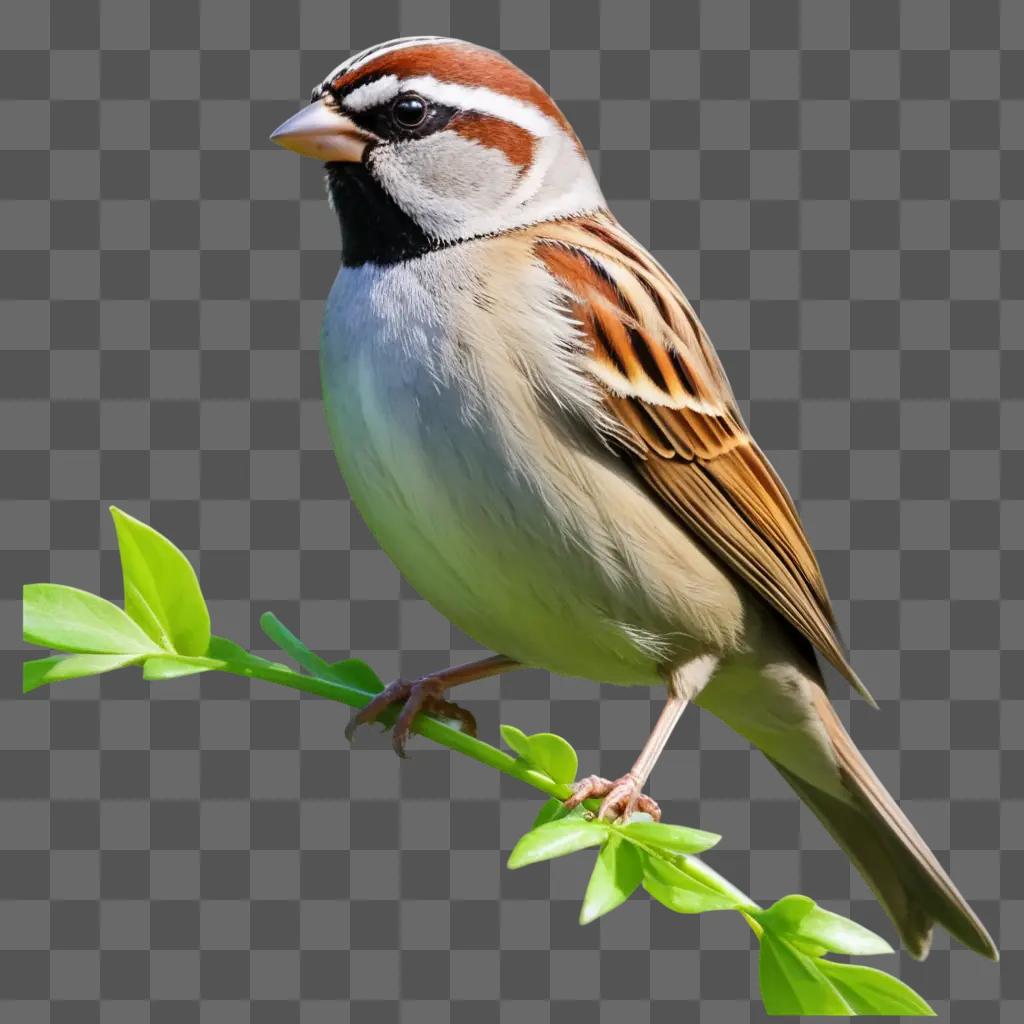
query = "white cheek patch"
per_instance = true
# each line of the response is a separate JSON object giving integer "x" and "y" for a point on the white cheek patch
{"x": 446, "y": 183}
{"x": 456, "y": 188}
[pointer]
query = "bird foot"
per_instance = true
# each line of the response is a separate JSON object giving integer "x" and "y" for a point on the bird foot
{"x": 621, "y": 797}
{"x": 424, "y": 694}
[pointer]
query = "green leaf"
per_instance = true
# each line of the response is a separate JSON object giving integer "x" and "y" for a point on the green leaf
{"x": 548, "y": 753}
{"x": 161, "y": 592}
{"x": 692, "y": 898}
{"x": 801, "y": 918}
{"x": 554, "y": 756}
{"x": 277, "y": 631}
{"x": 237, "y": 658}
{"x": 171, "y": 666}
{"x": 787, "y": 913}
{"x": 69, "y": 619}
{"x": 556, "y": 839}
{"x": 516, "y": 740}
{"x": 553, "y": 810}
{"x": 791, "y": 982}
{"x": 675, "y": 838}
{"x": 617, "y": 872}
{"x": 70, "y": 666}
{"x": 227, "y": 650}
{"x": 680, "y": 891}
{"x": 358, "y": 674}
{"x": 872, "y": 992}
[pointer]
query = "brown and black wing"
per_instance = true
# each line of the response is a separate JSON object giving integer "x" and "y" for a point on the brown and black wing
{"x": 680, "y": 425}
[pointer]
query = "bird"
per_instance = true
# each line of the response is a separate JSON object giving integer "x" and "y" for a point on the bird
{"x": 533, "y": 422}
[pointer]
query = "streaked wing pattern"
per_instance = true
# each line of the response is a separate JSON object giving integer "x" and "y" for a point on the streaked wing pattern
{"x": 681, "y": 426}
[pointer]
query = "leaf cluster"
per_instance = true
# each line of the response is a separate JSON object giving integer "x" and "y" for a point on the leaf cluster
{"x": 164, "y": 625}
{"x": 796, "y": 935}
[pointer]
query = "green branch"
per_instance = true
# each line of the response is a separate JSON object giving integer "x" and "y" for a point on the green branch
{"x": 165, "y": 627}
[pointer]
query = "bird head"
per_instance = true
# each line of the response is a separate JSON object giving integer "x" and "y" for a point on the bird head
{"x": 431, "y": 141}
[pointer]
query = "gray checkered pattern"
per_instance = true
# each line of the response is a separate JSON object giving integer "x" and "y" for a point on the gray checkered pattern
{"x": 839, "y": 185}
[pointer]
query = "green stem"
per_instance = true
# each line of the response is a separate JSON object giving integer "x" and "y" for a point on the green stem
{"x": 326, "y": 680}
{"x": 337, "y": 689}
{"x": 697, "y": 869}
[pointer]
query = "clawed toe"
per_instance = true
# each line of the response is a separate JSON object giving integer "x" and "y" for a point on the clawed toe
{"x": 393, "y": 693}
{"x": 621, "y": 797}
{"x": 419, "y": 695}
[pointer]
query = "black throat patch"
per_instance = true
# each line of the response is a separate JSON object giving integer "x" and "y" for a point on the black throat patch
{"x": 374, "y": 229}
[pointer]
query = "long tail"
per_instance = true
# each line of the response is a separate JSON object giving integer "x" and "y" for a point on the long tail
{"x": 790, "y": 718}
{"x": 887, "y": 850}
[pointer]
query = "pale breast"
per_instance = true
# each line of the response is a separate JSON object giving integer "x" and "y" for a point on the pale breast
{"x": 541, "y": 551}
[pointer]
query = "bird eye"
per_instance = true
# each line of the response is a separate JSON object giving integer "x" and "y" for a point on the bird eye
{"x": 409, "y": 110}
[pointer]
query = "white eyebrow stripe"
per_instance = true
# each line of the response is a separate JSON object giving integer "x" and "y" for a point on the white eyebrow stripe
{"x": 380, "y": 90}
{"x": 481, "y": 100}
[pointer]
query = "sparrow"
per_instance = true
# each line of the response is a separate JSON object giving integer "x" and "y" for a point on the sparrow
{"x": 534, "y": 424}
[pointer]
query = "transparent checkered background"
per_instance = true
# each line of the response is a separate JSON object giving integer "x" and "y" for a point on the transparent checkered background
{"x": 840, "y": 186}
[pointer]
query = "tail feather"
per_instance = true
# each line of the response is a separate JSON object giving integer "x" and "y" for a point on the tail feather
{"x": 887, "y": 850}
{"x": 776, "y": 699}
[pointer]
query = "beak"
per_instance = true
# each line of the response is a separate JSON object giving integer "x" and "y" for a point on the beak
{"x": 322, "y": 132}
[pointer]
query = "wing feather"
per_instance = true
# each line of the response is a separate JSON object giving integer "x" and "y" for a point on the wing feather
{"x": 665, "y": 387}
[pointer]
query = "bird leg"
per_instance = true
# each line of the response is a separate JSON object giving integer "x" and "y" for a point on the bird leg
{"x": 623, "y": 796}
{"x": 425, "y": 694}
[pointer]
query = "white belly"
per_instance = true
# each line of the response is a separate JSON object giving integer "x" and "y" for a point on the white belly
{"x": 448, "y": 504}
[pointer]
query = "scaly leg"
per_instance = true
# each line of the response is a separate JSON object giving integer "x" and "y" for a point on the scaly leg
{"x": 425, "y": 694}
{"x": 623, "y": 796}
